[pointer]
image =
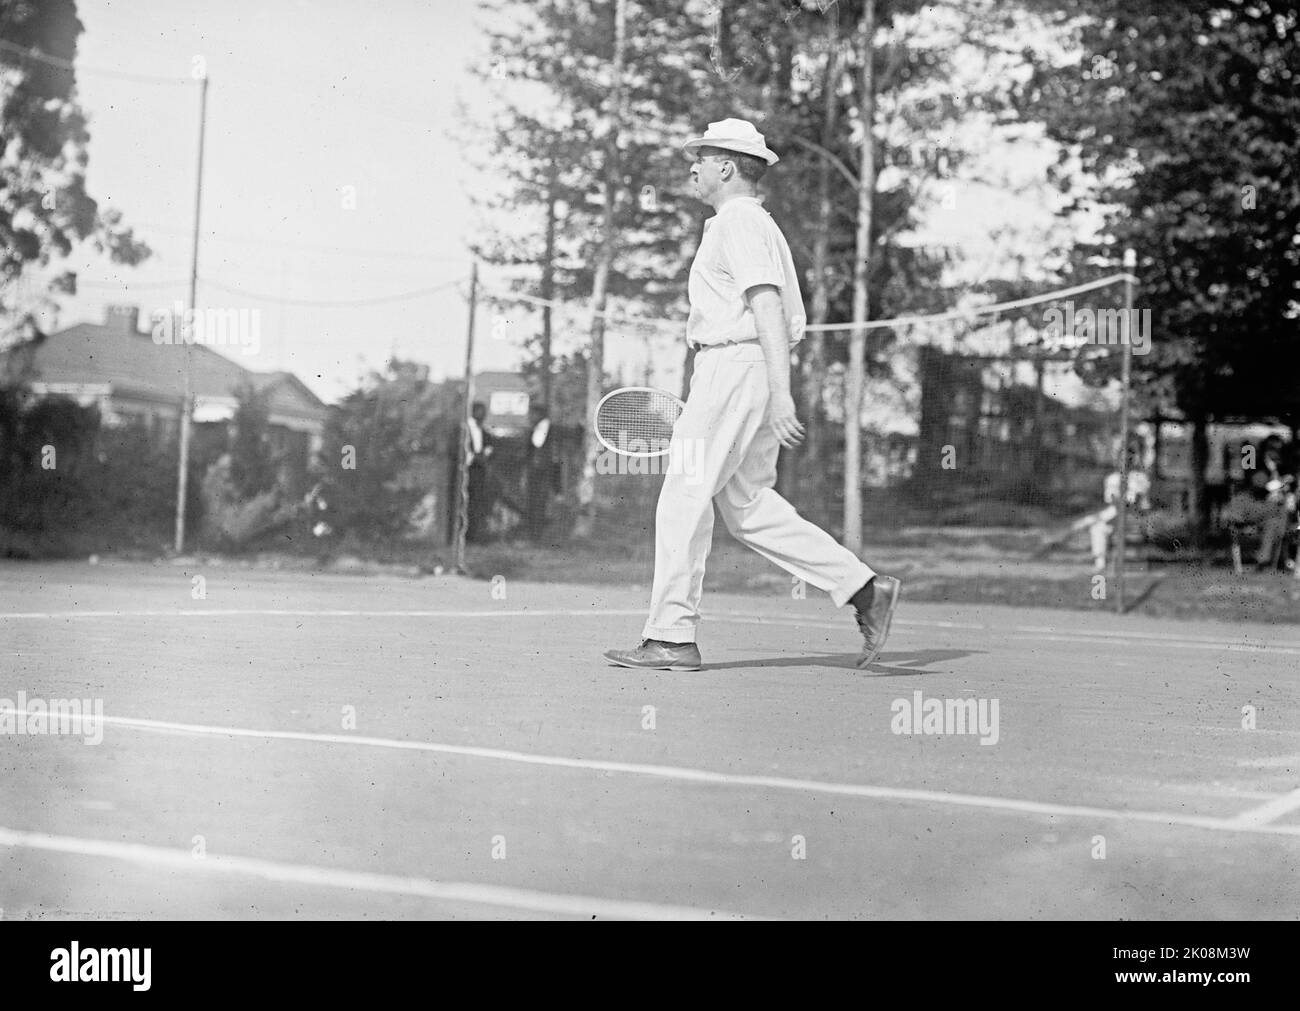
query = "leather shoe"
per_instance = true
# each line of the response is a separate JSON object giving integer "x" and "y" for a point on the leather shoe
{"x": 655, "y": 655}
{"x": 874, "y": 622}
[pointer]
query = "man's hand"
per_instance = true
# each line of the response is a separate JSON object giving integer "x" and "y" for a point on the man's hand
{"x": 784, "y": 422}
{"x": 774, "y": 335}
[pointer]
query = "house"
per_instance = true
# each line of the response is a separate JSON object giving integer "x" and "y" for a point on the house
{"x": 135, "y": 381}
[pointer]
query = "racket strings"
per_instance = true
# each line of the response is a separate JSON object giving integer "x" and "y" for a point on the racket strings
{"x": 638, "y": 421}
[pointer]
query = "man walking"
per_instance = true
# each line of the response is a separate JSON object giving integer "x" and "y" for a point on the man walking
{"x": 746, "y": 313}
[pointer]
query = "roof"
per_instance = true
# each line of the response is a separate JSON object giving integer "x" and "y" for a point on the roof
{"x": 132, "y": 365}
{"x": 288, "y": 393}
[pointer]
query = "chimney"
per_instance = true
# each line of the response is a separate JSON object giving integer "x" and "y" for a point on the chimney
{"x": 122, "y": 318}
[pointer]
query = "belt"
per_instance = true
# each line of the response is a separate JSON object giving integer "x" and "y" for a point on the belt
{"x": 697, "y": 347}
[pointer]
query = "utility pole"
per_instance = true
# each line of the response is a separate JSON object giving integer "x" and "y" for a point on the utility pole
{"x": 466, "y": 446}
{"x": 187, "y": 404}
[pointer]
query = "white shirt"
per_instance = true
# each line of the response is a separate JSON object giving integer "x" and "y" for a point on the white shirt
{"x": 1139, "y": 487}
{"x": 540, "y": 432}
{"x": 741, "y": 247}
{"x": 475, "y": 437}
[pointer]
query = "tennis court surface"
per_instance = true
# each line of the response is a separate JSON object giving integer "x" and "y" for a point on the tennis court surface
{"x": 296, "y": 745}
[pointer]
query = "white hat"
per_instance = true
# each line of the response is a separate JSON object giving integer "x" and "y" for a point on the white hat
{"x": 733, "y": 135}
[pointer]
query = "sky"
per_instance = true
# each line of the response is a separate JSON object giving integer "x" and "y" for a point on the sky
{"x": 333, "y": 173}
{"x": 306, "y": 97}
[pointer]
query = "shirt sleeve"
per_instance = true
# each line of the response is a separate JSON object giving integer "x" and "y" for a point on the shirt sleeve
{"x": 749, "y": 250}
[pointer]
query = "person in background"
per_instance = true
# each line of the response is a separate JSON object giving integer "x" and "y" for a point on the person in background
{"x": 1101, "y": 525}
{"x": 479, "y": 453}
{"x": 1264, "y": 502}
{"x": 539, "y": 469}
{"x": 1137, "y": 499}
{"x": 1269, "y": 486}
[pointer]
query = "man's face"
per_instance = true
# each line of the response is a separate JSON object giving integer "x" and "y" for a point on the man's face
{"x": 706, "y": 173}
{"x": 478, "y": 412}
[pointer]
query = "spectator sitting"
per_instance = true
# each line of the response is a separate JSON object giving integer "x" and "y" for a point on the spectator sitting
{"x": 1266, "y": 502}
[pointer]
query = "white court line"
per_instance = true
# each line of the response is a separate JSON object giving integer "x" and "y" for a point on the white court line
{"x": 1118, "y": 640}
{"x": 1268, "y": 813}
{"x": 1021, "y": 632}
{"x": 1273, "y": 762}
{"x": 155, "y": 857}
{"x": 687, "y": 775}
{"x": 240, "y": 612}
{"x": 1151, "y": 636}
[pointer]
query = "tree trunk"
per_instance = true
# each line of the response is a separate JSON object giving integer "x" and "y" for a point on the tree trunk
{"x": 548, "y": 284}
{"x": 1157, "y": 447}
{"x": 605, "y": 258}
{"x": 815, "y": 359}
{"x": 784, "y": 68}
{"x": 1200, "y": 495}
{"x": 861, "y": 277}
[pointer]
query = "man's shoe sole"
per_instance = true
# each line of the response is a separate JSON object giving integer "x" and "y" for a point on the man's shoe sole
{"x": 870, "y": 658}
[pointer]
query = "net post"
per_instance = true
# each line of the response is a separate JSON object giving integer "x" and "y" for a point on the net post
{"x": 1126, "y": 374}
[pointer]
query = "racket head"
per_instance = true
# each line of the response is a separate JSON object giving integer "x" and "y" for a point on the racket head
{"x": 636, "y": 421}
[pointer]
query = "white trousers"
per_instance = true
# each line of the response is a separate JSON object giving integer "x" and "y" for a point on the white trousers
{"x": 724, "y": 454}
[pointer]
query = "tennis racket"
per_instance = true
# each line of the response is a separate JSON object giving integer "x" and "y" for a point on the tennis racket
{"x": 637, "y": 421}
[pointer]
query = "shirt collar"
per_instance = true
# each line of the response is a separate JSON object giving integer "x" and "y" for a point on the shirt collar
{"x": 732, "y": 200}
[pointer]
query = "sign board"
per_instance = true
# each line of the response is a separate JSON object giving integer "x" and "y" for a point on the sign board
{"x": 508, "y": 403}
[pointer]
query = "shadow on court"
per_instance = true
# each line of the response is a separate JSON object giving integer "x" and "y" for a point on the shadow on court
{"x": 889, "y": 665}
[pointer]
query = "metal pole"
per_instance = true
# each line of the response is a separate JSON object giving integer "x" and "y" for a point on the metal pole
{"x": 1126, "y": 373}
{"x": 462, "y": 490}
{"x": 187, "y": 404}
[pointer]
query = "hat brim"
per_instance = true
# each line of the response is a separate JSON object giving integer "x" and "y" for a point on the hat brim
{"x": 695, "y": 143}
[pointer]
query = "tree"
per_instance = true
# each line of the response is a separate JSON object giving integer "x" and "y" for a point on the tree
{"x": 866, "y": 41}
{"x": 1188, "y": 117}
{"x": 44, "y": 206}
{"x": 786, "y": 67}
{"x": 610, "y": 195}
{"x": 372, "y": 438}
{"x": 547, "y": 142}
{"x": 252, "y": 469}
